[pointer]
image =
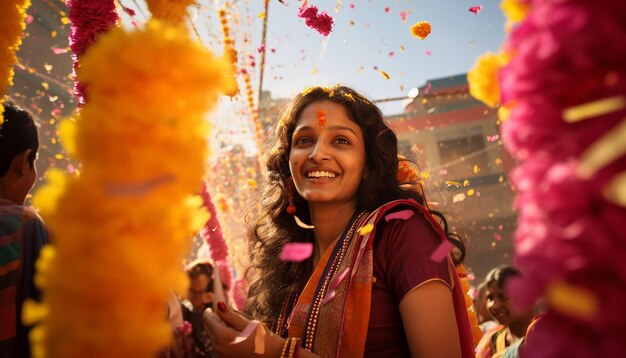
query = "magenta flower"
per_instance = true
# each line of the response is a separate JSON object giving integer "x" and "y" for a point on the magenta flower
{"x": 321, "y": 22}
{"x": 89, "y": 18}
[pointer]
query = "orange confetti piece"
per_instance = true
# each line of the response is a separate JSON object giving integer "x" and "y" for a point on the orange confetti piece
{"x": 349, "y": 96}
{"x": 366, "y": 229}
{"x": 572, "y": 300}
{"x": 261, "y": 15}
{"x": 384, "y": 74}
{"x": 421, "y": 29}
{"x": 453, "y": 183}
{"x": 594, "y": 109}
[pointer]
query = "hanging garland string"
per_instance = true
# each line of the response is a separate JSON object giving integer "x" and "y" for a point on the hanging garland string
{"x": 563, "y": 109}
{"x": 122, "y": 228}
{"x": 89, "y": 19}
{"x": 11, "y": 28}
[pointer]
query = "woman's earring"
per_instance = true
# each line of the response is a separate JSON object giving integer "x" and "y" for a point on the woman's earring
{"x": 291, "y": 208}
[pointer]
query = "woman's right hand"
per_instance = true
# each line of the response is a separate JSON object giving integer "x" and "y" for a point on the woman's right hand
{"x": 225, "y": 325}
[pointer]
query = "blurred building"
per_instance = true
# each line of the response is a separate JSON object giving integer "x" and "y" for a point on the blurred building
{"x": 454, "y": 139}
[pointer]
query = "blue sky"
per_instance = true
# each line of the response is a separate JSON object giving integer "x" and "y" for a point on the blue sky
{"x": 358, "y": 47}
{"x": 350, "y": 53}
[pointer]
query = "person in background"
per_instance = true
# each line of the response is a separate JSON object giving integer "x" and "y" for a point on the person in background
{"x": 199, "y": 298}
{"x": 22, "y": 231}
{"x": 485, "y": 321}
{"x": 513, "y": 325}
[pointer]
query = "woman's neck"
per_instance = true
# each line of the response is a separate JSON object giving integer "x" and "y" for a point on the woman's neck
{"x": 330, "y": 223}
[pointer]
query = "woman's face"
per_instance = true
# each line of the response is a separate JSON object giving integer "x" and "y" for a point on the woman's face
{"x": 327, "y": 157}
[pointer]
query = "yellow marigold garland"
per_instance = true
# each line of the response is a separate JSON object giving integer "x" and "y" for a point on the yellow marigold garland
{"x": 483, "y": 78}
{"x": 258, "y": 128}
{"x": 229, "y": 48}
{"x": 477, "y": 333}
{"x": 121, "y": 229}
{"x": 11, "y": 28}
{"x": 172, "y": 11}
{"x": 515, "y": 11}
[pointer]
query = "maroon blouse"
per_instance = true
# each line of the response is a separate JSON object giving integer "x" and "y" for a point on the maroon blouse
{"x": 402, "y": 250}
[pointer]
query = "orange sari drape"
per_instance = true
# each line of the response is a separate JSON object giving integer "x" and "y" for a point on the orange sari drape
{"x": 341, "y": 327}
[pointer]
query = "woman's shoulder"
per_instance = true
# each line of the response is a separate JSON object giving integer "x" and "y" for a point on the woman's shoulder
{"x": 403, "y": 214}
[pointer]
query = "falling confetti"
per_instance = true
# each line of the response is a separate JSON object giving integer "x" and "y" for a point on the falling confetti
{"x": 402, "y": 215}
{"x": 572, "y": 300}
{"x": 366, "y": 229}
{"x": 321, "y": 116}
{"x": 384, "y": 74}
{"x": 321, "y": 22}
{"x": 296, "y": 251}
{"x": 458, "y": 197}
{"x": 421, "y": 29}
{"x": 475, "y": 9}
{"x": 442, "y": 251}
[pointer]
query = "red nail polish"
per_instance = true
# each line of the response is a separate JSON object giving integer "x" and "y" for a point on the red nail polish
{"x": 221, "y": 306}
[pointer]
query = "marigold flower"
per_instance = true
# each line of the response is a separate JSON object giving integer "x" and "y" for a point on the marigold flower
{"x": 515, "y": 10}
{"x": 137, "y": 193}
{"x": 421, "y": 29}
{"x": 11, "y": 27}
{"x": 483, "y": 79}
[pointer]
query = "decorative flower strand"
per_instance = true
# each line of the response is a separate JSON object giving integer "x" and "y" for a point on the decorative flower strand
{"x": 321, "y": 22}
{"x": 229, "y": 48}
{"x": 122, "y": 228}
{"x": 258, "y": 128}
{"x": 89, "y": 19}
{"x": 11, "y": 28}
{"x": 565, "y": 127}
{"x": 172, "y": 11}
{"x": 214, "y": 238}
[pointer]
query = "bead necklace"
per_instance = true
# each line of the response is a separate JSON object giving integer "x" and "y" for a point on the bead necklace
{"x": 311, "y": 324}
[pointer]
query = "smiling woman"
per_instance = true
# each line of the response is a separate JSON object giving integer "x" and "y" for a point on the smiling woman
{"x": 373, "y": 285}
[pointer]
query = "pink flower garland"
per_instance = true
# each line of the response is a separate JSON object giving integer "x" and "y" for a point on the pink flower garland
{"x": 214, "y": 238}
{"x": 89, "y": 18}
{"x": 321, "y": 22}
{"x": 567, "y": 53}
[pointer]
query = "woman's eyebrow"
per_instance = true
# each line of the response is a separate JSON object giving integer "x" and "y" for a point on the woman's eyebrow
{"x": 337, "y": 127}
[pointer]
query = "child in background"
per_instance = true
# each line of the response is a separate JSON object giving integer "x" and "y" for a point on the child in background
{"x": 512, "y": 326}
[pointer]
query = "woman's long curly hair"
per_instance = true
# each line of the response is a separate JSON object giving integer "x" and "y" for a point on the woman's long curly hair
{"x": 272, "y": 280}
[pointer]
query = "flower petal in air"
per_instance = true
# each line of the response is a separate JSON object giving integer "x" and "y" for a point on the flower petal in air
{"x": 366, "y": 229}
{"x": 402, "y": 215}
{"x": 475, "y": 9}
{"x": 296, "y": 251}
{"x": 442, "y": 251}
